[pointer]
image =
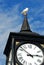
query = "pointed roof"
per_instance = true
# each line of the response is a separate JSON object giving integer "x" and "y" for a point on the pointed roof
{"x": 25, "y": 25}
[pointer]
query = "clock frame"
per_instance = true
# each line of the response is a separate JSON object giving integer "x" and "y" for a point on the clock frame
{"x": 21, "y": 43}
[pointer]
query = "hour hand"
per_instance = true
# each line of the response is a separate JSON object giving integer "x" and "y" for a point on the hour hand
{"x": 30, "y": 55}
{"x": 33, "y": 55}
{"x": 37, "y": 55}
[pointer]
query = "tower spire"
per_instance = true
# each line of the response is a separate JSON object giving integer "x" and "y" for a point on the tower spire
{"x": 25, "y": 25}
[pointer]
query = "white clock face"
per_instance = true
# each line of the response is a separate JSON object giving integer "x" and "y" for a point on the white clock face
{"x": 29, "y": 54}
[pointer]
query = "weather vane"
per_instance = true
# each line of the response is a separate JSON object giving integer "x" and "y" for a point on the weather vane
{"x": 24, "y": 12}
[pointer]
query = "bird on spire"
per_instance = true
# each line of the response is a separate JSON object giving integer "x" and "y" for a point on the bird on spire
{"x": 24, "y": 12}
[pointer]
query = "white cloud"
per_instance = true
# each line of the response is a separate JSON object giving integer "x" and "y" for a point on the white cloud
{"x": 8, "y": 19}
{"x": 8, "y": 22}
{"x": 38, "y": 11}
{"x": 36, "y": 20}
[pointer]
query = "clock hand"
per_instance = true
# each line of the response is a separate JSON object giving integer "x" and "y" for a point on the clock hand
{"x": 33, "y": 55}
{"x": 28, "y": 54}
{"x": 37, "y": 55}
{"x": 24, "y": 50}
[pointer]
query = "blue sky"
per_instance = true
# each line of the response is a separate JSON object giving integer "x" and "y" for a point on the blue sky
{"x": 11, "y": 19}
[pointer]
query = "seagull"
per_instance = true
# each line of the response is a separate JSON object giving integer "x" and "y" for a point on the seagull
{"x": 24, "y": 12}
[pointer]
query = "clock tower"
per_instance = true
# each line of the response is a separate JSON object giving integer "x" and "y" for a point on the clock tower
{"x": 25, "y": 47}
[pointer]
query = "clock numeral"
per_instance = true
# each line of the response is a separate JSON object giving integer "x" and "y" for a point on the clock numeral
{"x": 34, "y": 48}
{"x": 20, "y": 49}
{"x": 38, "y": 51}
{"x": 24, "y": 46}
{"x": 35, "y": 63}
{"x": 39, "y": 60}
{"x": 20, "y": 58}
{"x": 30, "y": 63}
{"x": 24, "y": 62}
{"x": 30, "y": 46}
{"x": 19, "y": 54}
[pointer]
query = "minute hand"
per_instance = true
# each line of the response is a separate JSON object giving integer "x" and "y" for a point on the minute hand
{"x": 28, "y": 54}
{"x": 24, "y": 50}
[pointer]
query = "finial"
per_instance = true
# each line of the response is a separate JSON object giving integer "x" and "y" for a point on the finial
{"x": 24, "y": 12}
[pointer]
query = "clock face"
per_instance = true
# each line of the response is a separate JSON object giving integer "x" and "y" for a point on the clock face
{"x": 29, "y": 54}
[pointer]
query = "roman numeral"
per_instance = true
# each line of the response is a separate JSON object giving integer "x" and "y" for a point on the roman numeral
{"x": 39, "y": 60}
{"x": 24, "y": 46}
{"x": 38, "y": 51}
{"x": 30, "y": 46}
{"x": 35, "y": 63}
{"x": 34, "y": 48}
{"x": 30, "y": 63}
{"x": 24, "y": 62}
{"x": 19, "y": 54}
{"x": 20, "y": 58}
{"x": 20, "y": 49}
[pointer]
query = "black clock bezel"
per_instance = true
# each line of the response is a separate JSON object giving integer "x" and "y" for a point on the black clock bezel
{"x": 21, "y": 43}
